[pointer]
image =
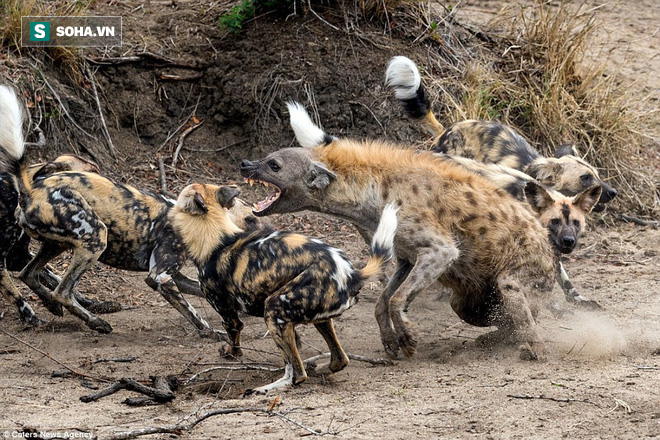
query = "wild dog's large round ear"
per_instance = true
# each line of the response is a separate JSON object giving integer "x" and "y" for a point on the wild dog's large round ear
{"x": 545, "y": 171}
{"x": 566, "y": 150}
{"x": 319, "y": 176}
{"x": 538, "y": 197}
{"x": 226, "y": 195}
{"x": 192, "y": 202}
{"x": 587, "y": 199}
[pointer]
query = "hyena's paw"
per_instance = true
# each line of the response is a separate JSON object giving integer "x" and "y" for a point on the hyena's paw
{"x": 407, "y": 341}
{"x": 533, "y": 352}
{"x": 390, "y": 343}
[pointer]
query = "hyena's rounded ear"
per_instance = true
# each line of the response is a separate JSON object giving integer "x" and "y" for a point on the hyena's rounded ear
{"x": 587, "y": 199}
{"x": 545, "y": 171}
{"x": 538, "y": 197}
{"x": 319, "y": 176}
{"x": 566, "y": 150}
{"x": 226, "y": 196}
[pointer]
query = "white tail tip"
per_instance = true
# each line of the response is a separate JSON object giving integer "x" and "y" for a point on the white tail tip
{"x": 308, "y": 134}
{"x": 11, "y": 123}
{"x": 403, "y": 76}
{"x": 386, "y": 230}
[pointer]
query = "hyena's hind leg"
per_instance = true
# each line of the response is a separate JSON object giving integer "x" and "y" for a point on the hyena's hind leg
{"x": 338, "y": 358}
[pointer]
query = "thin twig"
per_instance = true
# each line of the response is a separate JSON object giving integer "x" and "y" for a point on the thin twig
{"x": 113, "y": 150}
{"x": 180, "y": 144}
{"x": 639, "y": 221}
{"x": 163, "y": 181}
{"x": 72, "y": 370}
{"x": 182, "y": 426}
{"x": 121, "y": 359}
{"x": 354, "y": 357}
{"x": 238, "y": 367}
{"x": 41, "y": 142}
{"x": 553, "y": 399}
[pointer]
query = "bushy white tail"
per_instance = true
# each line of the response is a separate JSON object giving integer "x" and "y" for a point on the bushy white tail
{"x": 308, "y": 134}
{"x": 403, "y": 76}
{"x": 11, "y": 124}
{"x": 382, "y": 244}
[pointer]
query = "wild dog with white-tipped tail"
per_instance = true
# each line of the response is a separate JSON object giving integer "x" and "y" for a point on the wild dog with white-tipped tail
{"x": 285, "y": 277}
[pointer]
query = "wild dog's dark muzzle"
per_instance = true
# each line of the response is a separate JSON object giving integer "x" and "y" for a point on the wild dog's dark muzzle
{"x": 606, "y": 196}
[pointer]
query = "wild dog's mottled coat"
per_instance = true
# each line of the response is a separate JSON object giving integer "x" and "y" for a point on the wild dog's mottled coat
{"x": 285, "y": 277}
{"x": 454, "y": 226}
{"x": 493, "y": 142}
{"x": 97, "y": 218}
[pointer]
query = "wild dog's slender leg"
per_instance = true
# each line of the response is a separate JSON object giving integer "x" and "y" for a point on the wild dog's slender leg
{"x": 84, "y": 257}
{"x": 572, "y": 295}
{"x": 431, "y": 262}
{"x": 401, "y": 271}
{"x": 164, "y": 264}
{"x": 187, "y": 285}
{"x": 338, "y": 359}
{"x": 283, "y": 334}
{"x": 30, "y": 275}
{"x": 50, "y": 280}
{"x": 25, "y": 312}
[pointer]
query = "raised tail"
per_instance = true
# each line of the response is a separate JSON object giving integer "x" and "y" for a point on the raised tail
{"x": 382, "y": 245}
{"x": 308, "y": 134}
{"x": 404, "y": 78}
{"x": 12, "y": 143}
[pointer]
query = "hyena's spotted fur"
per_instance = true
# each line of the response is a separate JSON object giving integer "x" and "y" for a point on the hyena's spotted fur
{"x": 494, "y": 142}
{"x": 454, "y": 226}
{"x": 97, "y": 218}
{"x": 285, "y": 277}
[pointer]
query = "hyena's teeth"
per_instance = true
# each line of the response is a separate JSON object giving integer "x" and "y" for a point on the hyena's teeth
{"x": 255, "y": 206}
{"x": 251, "y": 182}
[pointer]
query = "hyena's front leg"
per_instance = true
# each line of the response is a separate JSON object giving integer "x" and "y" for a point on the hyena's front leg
{"x": 516, "y": 319}
{"x": 387, "y": 334}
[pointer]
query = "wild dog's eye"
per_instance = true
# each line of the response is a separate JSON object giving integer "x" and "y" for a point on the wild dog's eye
{"x": 274, "y": 166}
{"x": 555, "y": 222}
{"x": 586, "y": 179}
{"x": 576, "y": 223}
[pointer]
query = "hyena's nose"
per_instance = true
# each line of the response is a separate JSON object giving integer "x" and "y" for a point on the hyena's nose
{"x": 568, "y": 242}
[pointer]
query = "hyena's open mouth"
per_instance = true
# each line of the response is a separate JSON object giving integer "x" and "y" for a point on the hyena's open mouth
{"x": 263, "y": 205}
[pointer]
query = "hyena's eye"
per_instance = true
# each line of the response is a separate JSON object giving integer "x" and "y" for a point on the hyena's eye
{"x": 555, "y": 222}
{"x": 586, "y": 179}
{"x": 274, "y": 165}
{"x": 576, "y": 223}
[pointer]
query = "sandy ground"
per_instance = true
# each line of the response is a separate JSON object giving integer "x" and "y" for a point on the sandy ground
{"x": 602, "y": 378}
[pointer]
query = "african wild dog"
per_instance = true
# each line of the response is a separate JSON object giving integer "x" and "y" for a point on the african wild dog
{"x": 99, "y": 219}
{"x": 14, "y": 244}
{"x": 494, "y": 142}
{"x": 563, "y": 216}
{"x": 285, "y": 277}
{"x": 454, "y": 226}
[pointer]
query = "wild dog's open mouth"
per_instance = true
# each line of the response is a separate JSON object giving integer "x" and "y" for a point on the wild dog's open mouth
{"x": 272, "y": 197}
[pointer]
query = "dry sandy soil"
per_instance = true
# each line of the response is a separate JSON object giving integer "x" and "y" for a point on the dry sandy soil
{"x": 602, "y": 378}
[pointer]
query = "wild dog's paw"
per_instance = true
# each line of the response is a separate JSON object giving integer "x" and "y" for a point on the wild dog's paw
{"x": 228, "y": 351}
{"x": 584, "y": 303}
{"x": 34, "y": 321}
{"x": 99, "y": 325}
